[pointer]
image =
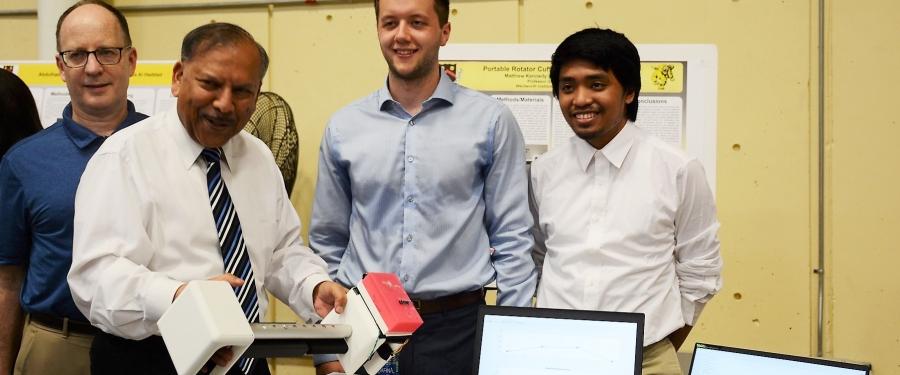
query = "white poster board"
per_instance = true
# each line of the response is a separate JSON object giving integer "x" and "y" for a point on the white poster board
{"x": 150, "y": 88}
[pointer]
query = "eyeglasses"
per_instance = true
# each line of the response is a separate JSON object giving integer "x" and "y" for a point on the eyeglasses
{"x": 104, "y": 56}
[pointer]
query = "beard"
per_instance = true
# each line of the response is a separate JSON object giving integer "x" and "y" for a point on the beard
{"x": 421, "y": 70}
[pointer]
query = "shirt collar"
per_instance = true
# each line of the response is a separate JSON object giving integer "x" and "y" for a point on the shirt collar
{"x": 229, "y": 148}
{"x": 187, "y": 148}
{"x": 446, "y": 89}
{"x": 444, "y": 92}
{"x": 83, "y": 137}
{"x": 614, "y": 151}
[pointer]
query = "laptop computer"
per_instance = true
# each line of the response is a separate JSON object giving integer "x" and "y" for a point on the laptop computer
{"x": 716, "y": 360}
{"x": 533, "y": 341}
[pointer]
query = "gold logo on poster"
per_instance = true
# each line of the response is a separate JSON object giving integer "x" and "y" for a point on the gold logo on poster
{"x": 662, "y": 75}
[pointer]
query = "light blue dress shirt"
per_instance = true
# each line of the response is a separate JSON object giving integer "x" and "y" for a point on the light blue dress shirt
{"x": 439, "y": 198}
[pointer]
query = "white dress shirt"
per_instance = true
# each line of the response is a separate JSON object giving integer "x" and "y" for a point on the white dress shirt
{"x": 631, "y": 227}
{"x": 144, "y": 225}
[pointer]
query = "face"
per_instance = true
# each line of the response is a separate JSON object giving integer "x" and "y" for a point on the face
{"x": 592, "y": 101}
{"x": 217, "y": 92}
{"x": 410, "y": 35}
{"x": 96, "y": 90}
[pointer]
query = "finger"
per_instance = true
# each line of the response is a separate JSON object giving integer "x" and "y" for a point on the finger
{"x": 219, "y": 360}
{"x": 223, "y": 356}
{"x": 228, "y": 355}
{"x": 341, "y": 300}
{"x": 232, "y": 280}
{"x": 329, "y": 367}
{"x": 179, "y": 290}
{"x": 322, "y": 309}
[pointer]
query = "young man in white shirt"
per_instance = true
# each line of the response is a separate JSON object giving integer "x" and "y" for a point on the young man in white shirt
{"x": 623, "y": 221}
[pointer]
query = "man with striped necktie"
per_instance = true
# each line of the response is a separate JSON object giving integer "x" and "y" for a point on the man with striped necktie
{"x": 189, "y": 196}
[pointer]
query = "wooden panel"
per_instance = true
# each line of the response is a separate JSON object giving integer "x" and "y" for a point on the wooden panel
{"x": 18, "y": 4}
{"x": 325, "y": 57}
{"x": 157, "y": 35}
{"x": 18, "y": 38}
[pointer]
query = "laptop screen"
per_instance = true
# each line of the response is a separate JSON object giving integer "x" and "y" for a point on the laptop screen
{"x": 532, "y": 341}
{"x": 716, "y": 360}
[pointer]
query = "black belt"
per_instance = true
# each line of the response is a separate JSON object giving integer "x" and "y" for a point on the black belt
{"x": 448, "y": 303}
{"x": 65, "y": 325}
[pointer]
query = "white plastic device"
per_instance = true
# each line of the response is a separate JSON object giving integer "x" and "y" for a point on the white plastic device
{"x": 205, "y": 317}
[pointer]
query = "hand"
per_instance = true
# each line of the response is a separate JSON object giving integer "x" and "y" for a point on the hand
{"x": 232, "y": 280}
{"x": 329, "y": 295}
{"x": 329, "y": 367}
{"x": 220, "y": 358}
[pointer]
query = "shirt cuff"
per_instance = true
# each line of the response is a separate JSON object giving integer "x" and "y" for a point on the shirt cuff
{"x": 691, "y": 310}
{"x": 160, "y": 293}
{"x": 308, "y": 311}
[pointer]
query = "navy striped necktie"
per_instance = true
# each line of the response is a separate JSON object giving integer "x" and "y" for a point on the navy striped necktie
{"x": 231, "y": 241}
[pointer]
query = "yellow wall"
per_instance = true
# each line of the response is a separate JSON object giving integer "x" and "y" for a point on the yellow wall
{"x": 864, "y": 205}
{"x": 324, "y": 56}
{"x": 18, "y": 33}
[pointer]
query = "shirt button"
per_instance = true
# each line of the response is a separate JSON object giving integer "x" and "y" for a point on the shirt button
{"x": 409, "y": 159}
{"x": 408, "y": 238}
{"x": 410, "y": 199}
{"x": 412, "y": 122}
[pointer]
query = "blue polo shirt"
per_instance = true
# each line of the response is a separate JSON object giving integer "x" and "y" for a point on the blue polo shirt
{"x": 38, "y": 179}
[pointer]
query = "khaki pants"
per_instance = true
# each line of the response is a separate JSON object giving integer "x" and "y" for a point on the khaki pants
{"x": 48, "y": 351}
{"x": 661, "y": 359}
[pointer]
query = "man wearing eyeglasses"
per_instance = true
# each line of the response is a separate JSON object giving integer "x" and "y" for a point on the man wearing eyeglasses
{"x": 38, "y": 179}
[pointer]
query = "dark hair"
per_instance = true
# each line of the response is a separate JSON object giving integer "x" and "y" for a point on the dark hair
{"x": 18, "y": 113}
{"x": 441, "y": 7}
{"x": 218, "y": 34}
{"x": 606, "y": 49}
{"x": 123, "y": 23}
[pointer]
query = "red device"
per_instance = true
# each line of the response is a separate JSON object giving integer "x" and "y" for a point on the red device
{"x": 394, "y": 311}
